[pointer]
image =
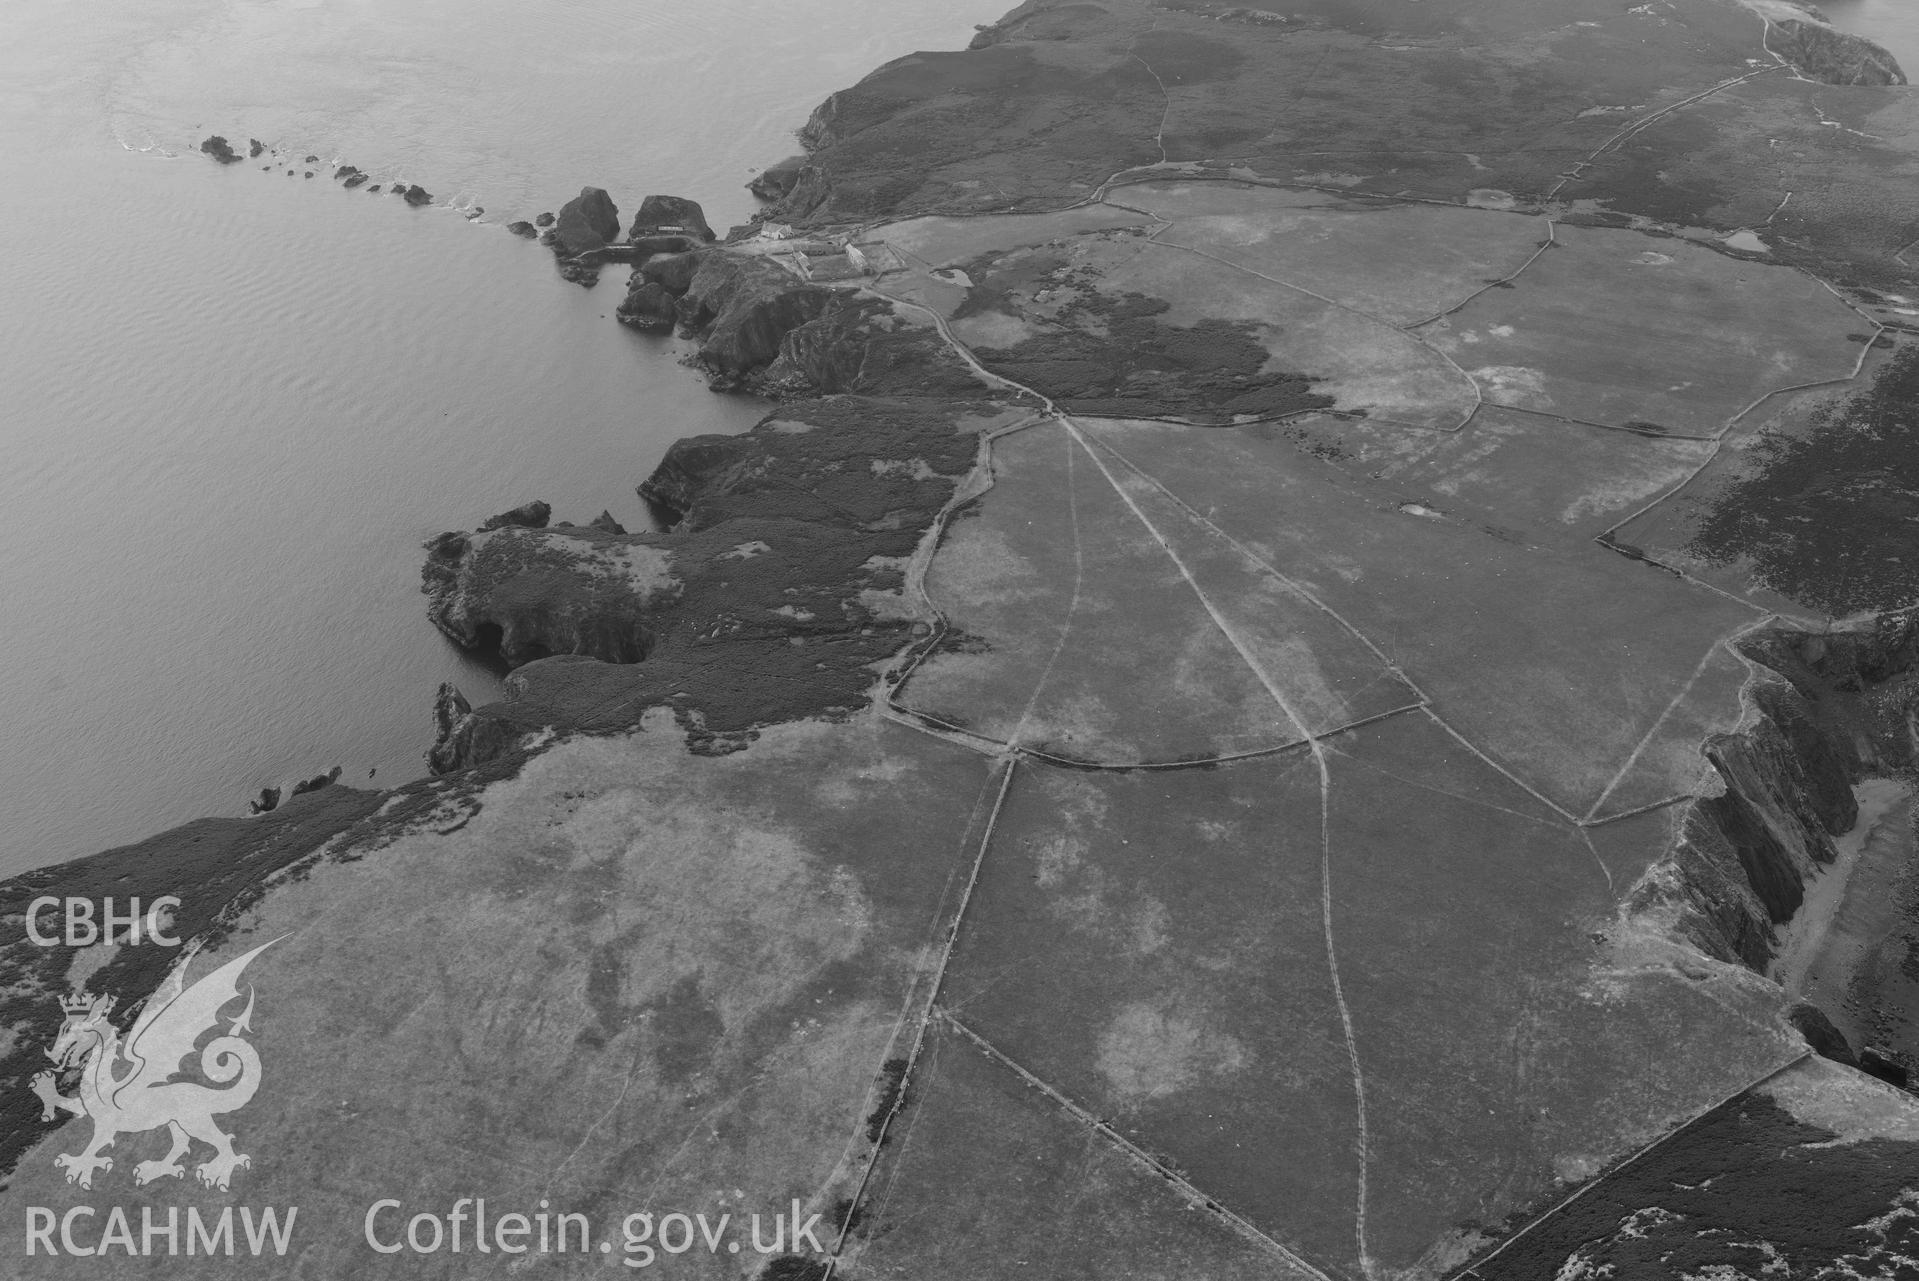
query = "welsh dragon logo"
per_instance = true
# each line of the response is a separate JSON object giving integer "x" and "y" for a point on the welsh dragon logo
{"x": 127, "y": 1087}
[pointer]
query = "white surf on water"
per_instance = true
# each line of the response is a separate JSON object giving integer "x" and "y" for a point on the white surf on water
{"x": 234, "y": 402}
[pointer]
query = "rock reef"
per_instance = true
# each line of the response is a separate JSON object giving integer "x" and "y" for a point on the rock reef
{"x": 586, "y": 225}
{"x": 586, "y": 235}
{"x": 220, "y": 149}
{"x": 775, "y": 182}
{"x": 670, "y": 215}
{"x": 533, "y": 515}
{"x": 588, "y": 221}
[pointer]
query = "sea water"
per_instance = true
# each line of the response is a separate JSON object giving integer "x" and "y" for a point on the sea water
{"x": 234, "y": 400}
{"x": 1892, "y": 24}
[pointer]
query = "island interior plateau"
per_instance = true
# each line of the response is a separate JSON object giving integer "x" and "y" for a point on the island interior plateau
{"x": 1313, "y": 673}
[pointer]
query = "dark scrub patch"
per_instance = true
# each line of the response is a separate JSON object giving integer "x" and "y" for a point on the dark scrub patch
{"x": 1747, "y": 1189}
{"x": 815, "y": 460}
{"x": 857, "y": 345}
{"x": 1317, "y": 87}
{"x": 892, "y": 1089}
{"x": 1000, "y": 282}
{"x": 686, "y": 1027}
{"x": 781, "y": 534}
{"x": 877, "y": 147}
{"x": 1116, "y": 357}
{"x": 1179, "y": 57}
{"x": 1650, "y": 175}
{"x": 605, "y": 981}
{"x": 1830, "y": 517}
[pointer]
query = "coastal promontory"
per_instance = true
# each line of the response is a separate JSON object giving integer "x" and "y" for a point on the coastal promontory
{"x": 1311, "y": 675}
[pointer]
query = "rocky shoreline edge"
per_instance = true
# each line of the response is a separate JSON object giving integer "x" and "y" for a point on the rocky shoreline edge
{"x": 789, "y": 587}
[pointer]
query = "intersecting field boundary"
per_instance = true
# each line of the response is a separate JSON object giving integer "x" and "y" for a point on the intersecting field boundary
{"x": 922, "y": 1019}
{"x": 1195, "y": 1195}
{"x": 1471, "y": 1271}
{"x": 1100, "y": 452}
{"x": 1012, "y": 752}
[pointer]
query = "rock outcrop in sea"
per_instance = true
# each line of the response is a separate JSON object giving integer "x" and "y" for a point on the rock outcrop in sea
{"x": 588, "y": 221}
{"x": 533, "y": 515}
{"x": 670, "y": 215}
{"x": 775, "y": 181}
{"x": 586, "y": 225}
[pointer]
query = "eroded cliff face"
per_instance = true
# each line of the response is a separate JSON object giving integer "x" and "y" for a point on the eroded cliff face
{"x": 1835, "y": 57}
{"x": 1825, "y": 710}
{"x": 746, "y": 307}
{"x": 761, "y": 328}
{"x": 527, "y": 593}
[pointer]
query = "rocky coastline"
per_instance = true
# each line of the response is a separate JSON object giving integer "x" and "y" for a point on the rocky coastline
{"x": 1827, "y": 710}
{"x": 789, "y": 592}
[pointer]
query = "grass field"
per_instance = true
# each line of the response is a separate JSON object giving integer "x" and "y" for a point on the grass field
{"x": 1543, "y": 480}
{"x": 1670, "y": 761}
{"x": 990, "y": 1178}
{"x": 1219, "y": 962}
{"x": 1662, "y": 335}
{"x": 1150, "y": 944}
{"x": 635, "y": 978}
{"x": 1555, "y": 661}
{"x": 954, "y": 242}
{"x": 1083, "y": 639}
{"x": 1401, "y": 263}
{"x": 1061, "y": 319}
